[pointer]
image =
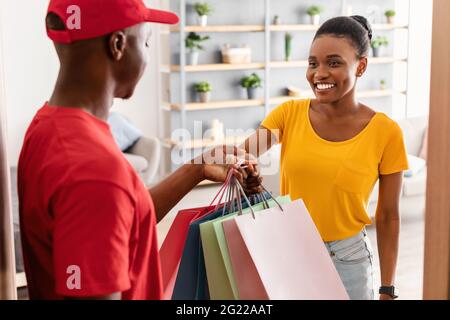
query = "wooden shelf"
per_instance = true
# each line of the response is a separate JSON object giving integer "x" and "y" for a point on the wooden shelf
{"x": 310, "y": 27}
{"x": 306, "y": 93}
{"x": 219, "y": 105}
{"x": 214, "y": 67}
{"x": 294, "y": 27}
{"x": 205, "y": 143}
{"x": 282, "y": 27}
{"x": 362, "y": 94}
{"x": 222, "y": 28}
{"x": 261, "y": 65}
{"x": 380, "y": 27}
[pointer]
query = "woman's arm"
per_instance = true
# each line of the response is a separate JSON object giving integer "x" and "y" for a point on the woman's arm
{"x": 388, "y": 227}
{"x": 260, "y": 142}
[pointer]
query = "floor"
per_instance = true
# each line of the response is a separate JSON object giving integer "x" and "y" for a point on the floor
{"x": 410, "y": 263}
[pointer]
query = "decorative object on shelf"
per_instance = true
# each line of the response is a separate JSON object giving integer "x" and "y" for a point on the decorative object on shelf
{"x": 276, "y": 20}
{"x": 314, "y": 12}
{"x": 251, "y": 83}
{"x": 293, "y": 91}
{"x": 203, "y": 10}
{"x": 287, "y": 46}
{"x": 203, "y": 90}
{"x": 382, "y": 84}
{"x": 217, "y": 130}
{"x": 192, "y": 43}
{"x": 373, "y": 13}
{"x": 390, "y": 14}
{"x": 236, "y": 55}
{"x": 377, "y": 44}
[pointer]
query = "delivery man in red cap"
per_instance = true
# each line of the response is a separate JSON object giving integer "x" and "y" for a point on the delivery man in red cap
{"x": 88, "y": 224}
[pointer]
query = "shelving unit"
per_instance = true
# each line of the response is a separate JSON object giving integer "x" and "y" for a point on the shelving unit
{"x": 182, "y": 107}
{"x": 261, "y": 65}
{"x": 261, "y": 28}
{"x": 276, "y": 100}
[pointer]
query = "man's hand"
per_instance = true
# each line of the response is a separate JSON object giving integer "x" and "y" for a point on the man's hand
{"x": 218, "y": 161}
{"x": 385, "y": 297}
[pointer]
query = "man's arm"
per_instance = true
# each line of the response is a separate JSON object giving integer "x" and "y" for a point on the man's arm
{"x": 170, "y": 191}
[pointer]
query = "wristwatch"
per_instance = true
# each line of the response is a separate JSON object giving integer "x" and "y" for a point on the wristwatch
{"x": 390, "y": 291}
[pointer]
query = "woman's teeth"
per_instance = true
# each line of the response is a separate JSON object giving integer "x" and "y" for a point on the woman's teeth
{"x": 325, "y": 86}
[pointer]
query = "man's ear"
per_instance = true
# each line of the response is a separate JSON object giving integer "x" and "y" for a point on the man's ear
{"x": 117, "y": 44}
{"x": 362, "y": 67}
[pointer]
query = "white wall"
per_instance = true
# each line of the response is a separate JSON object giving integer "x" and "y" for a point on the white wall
{"x": 419, "y": 71}
{"x": 31, "y": 67}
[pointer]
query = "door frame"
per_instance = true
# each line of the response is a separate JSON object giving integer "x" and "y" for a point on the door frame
{"x": 436, "y": 283}
{"x": 7, "y": 257}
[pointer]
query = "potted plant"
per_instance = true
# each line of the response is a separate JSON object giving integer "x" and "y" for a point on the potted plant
{"x": 287, "y": 46}
{"x": 377, "y": 45}
{"x": 251, "y": 83}
{"x": 314, "y": 13}
{"x": 390, "y": 14}
{"x": 203, "y": 90}
{"x": 382, "y": 84}
{"x": 276, "y": 20}
{"x": 203, "y": 10}
{"x": 192, "y": 43}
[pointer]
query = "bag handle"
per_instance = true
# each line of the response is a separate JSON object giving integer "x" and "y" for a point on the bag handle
{"x": 271, "y": 197}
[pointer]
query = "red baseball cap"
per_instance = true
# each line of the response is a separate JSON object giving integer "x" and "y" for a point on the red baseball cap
{"x": 87, "y": 19}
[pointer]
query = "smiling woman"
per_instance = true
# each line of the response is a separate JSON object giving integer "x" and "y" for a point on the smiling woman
{"x": 334, "y": 149}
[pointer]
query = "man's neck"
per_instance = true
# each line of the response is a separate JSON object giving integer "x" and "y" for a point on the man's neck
{"x": 95, "y": 97}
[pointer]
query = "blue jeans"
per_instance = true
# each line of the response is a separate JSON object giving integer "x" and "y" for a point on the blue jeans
{"x": 353, "y": 259}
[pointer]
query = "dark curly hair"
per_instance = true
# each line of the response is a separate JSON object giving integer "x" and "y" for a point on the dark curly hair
{"x": 355, "y": 28}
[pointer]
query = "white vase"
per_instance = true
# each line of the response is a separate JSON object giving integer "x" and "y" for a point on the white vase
{"x": 315, "y": 20}
{"x": 193, "y": 58}
{"x": 202, "y": 20}
{"x": 390, "y": 20}
{"x": 204, "y": 97}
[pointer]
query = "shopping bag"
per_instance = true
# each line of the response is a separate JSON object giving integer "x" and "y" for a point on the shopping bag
{"x": 172, "y": 248}
{"x": 248, "y": 282}
{"x": 288, "y": 255}
{"x": 191, "y": 281}
{"x": 173, "y": 245}
{"x": 221, "y": 281}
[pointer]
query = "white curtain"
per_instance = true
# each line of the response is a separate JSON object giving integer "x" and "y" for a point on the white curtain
{"x": 7, "y": 259}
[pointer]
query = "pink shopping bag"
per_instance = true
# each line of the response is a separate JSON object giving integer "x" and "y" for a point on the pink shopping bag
{"x": 286, "y": 254}
{"x": 248, "y": 282}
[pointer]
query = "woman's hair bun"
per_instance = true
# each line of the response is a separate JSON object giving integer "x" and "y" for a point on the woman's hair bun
{"x": 366, "y": 25}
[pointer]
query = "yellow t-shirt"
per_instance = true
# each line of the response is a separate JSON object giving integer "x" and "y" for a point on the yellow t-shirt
{"x": 334, "y": 179}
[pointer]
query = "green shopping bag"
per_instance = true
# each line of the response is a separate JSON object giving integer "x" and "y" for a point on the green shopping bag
{"x": 221, "y": 282}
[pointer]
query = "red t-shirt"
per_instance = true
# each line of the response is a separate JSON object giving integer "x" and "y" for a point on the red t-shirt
{"x": 88, "y": 224}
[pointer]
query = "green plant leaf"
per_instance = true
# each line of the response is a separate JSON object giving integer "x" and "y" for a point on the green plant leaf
{"x": 203, "y": 9}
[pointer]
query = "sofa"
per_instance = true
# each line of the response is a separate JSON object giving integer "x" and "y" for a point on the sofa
{"x": 414, "y": 130}
{"x": 144, "y": 156}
